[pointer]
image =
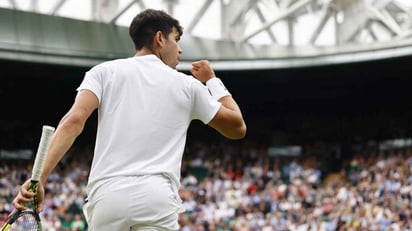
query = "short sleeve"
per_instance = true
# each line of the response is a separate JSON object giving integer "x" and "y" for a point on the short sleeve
{"x": 93, "y": 81}
{"x": 204, "y": 107}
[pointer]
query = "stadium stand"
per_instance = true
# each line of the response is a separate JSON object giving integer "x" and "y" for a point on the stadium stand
{"x": 256, "y": 192}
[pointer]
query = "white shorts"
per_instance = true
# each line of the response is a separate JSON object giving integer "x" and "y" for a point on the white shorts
{"x": 148, "y": 202}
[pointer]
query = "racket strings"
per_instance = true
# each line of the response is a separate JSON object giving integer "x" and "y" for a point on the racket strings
{"x": 25, "y": 222}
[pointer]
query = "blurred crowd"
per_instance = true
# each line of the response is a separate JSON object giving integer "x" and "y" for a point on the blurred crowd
{"x": 252, "y": 191}
{"x": 242, "y": 188}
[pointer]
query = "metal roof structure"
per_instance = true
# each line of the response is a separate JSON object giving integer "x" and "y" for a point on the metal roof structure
{"x": 256, "y": 34}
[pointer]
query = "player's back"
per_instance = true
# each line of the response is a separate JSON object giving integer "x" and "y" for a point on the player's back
{"x": 145, "y": 110}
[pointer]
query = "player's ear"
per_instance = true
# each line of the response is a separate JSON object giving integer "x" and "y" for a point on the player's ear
{"x": 158, "y": 39}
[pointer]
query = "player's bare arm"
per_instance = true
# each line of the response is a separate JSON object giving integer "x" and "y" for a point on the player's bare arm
{"x": 70, "y": 126}
{"x": 228, "y": 120}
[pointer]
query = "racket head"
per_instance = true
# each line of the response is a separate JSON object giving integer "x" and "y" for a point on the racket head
{"x": 26, "y": 220}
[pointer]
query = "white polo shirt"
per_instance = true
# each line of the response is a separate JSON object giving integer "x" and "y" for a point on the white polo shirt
{"x": 145, "y": 109}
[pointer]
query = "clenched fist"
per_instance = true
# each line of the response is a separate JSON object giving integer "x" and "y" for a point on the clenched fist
{"x": 202, "y": 70}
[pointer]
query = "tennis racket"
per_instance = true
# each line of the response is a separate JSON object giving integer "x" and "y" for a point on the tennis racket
{"x": 29, "y": 219}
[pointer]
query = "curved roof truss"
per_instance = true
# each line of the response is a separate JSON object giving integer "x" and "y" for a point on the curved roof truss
{"x": 261, "y": 33}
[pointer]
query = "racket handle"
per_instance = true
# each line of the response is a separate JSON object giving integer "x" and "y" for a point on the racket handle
{"x": 45, "y": 138}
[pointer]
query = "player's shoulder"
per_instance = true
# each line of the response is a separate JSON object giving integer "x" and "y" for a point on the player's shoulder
{"x": 187, "y": 79}
{"x": 114, "y": 62}
{"x": 110, "y": 65}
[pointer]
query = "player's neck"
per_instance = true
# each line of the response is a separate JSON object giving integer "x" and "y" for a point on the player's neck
{"x": 146, "y": 51}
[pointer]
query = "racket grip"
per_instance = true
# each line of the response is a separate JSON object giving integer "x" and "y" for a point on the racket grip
{"x": 46, "y": 135}
{"x": 34, "y": 188}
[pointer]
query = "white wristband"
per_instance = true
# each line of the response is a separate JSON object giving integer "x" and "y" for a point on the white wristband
{"x": 216, "y": 88}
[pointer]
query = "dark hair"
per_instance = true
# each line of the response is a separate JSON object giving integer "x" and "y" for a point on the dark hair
{"x": 145, "y": 25}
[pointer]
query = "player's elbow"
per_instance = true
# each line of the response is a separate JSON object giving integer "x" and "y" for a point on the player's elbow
{"x": 72, "y": 124}
{"x": 237, "y": 133}
{"x": 230, "y": 124}
{"x": 240, "y": 134}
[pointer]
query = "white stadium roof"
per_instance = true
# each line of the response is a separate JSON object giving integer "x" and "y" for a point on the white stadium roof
{"x": 333, "y": 31}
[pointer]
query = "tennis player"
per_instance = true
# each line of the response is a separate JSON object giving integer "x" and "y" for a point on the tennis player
{"x": 145, "y": 107}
